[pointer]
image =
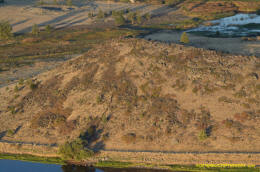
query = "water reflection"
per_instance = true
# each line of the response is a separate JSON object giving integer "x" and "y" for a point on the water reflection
{"x": 237, "y": 25}
{"x": 21, "y": 166}
{"x": 70, "y": 168}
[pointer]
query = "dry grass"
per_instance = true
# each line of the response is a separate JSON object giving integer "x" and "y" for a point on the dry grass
{"x": 129, "y": 93}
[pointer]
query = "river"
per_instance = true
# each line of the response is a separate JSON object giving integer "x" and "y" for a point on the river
{"x": 22, "y": 166}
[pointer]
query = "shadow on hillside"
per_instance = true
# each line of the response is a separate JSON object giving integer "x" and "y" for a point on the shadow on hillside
{"x": 2, "y": 134}
{"x": 92, "y": 136}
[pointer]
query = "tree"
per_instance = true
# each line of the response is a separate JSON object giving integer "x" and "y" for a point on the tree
{"x": 35, "y": 30}
{"x": 2, "y": 1}
{"x": 5, "y": 30}
{"x": 184, "y": 38}
{"x": 75, "y": 150}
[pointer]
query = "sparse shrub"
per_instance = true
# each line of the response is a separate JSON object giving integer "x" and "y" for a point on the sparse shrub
{"x": 180, "y": 85}
{"x": 224, "y": 99}
{"x": 104, "y": 119}
{"x": 12, "y": 109}
{"x": 139, "y": 19}
{"x": 246, "y": 105}
{"x": 90, "y": 14}
{"x": 5, "y": 30}
{"x": 55, "y": 2}
{"x": 147, "y": 16}
{"x": 184, "y": 38}
{"x": 35, "y": 30}
{"x": 10, "y": 132}
{"x": 69, "y": 2}
{"x": 129, "y": 138}
{"x": 195, "y": 90}
{"x": 48, "y": 28}
{"x": 257, "y": 87}
{"x": 202, "y": 135}
{"x": 21, "y": 81}
{"x": 240, "y": 94}
{"x": 120, "y": 20}
{"x": 228, "y": 123}
{"x": 100, "y": 98}
{"x": 16, "y": 89}
{"x": 132, "y": 17}
{"x": 41, "y": 2}
{"x": 75, "y": 150}
{"x": 33, "y": 86}
{"x": 16, "y": 96}
{"x": 203, "y": 120}
{"x": 101, "y": 14}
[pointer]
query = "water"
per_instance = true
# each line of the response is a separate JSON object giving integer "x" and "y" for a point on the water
{"x": 21, "y": 166}
{"x": 234, "y": 26}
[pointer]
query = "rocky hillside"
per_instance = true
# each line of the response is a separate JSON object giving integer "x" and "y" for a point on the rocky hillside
{"x": 138, "y": 95}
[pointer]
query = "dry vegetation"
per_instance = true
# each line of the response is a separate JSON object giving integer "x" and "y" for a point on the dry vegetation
{"x": 140, "y": 95}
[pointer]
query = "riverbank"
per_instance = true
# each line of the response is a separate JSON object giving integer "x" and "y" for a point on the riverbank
{"x": 131, "y": 165}
{"x": 134, "y": 159}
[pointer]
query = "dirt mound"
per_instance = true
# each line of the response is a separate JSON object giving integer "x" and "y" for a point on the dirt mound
{"x": 140, "y": 95}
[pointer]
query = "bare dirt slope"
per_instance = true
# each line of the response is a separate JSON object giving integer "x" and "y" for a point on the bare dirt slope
{"x": 132, "y": 94}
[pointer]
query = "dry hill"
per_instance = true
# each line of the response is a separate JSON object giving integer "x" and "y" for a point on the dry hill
{"x": 139, "y": 95}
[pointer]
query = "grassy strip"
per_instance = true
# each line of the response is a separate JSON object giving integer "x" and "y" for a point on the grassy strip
{"x": 55, "y": 44}
{"x": 117, "y": 164}
{"x": 193, "y": 168}
{"x": 32, "y": 158}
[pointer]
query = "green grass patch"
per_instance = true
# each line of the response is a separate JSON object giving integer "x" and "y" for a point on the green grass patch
{"x": 114, "y": 164}
{"x": 192, "y": 168}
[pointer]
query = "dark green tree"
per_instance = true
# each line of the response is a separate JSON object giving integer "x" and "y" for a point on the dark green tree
{"x": 75, "y": 150}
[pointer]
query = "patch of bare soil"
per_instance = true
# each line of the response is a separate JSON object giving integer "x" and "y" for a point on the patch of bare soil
{"x": 132, "y": 94}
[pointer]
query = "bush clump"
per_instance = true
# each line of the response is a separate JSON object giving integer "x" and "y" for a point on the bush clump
{"x": 48, "y": 28}
{"x": 75, "y": 150}
{"x": 120, "y": 20}
{"x": 35, "y": 30}
{"x": 202, "y": 135}
{"x": 184, "y": 38}
{"x": 5, "y": 30}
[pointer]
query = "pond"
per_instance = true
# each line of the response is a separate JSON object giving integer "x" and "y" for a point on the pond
{"x": 22, "y": 166}
{"x": 224, "y": 35}
{"x": 234, "y": 26}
